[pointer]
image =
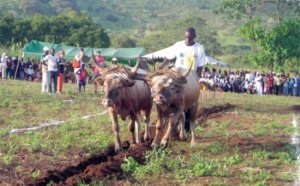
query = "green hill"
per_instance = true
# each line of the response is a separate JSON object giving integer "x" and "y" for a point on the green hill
{"x": 116, "y": 15}
{"x": 135, "y": 18}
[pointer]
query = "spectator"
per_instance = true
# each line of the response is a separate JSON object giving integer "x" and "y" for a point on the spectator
{"x": 290, "y": 85}
{"x": 245, "y": 85}
{"x": 61, "y": 70}
{"x": 78, "y": 57}
{"x": 3, "y": 65}
{"x": 29, "y": 73}
{"x": 295, "y": 86}
{"x": 188, "y": 53}
{"x": 82, "y": 75}
{"x": 35, "y": 65}
{"x": 272, "y": 82}
{"x": 258, "y": 83}
{"x": 22, "y": 69}
{"x": 45, "y": 74}
{"x": 28, "y": 63}
{"x": 52, "y": 66}
{"x": 282, "y": 80}
{"x": 9, "y": 69}
{"x": 16, "y": 71}
{"x": 95, "y": 70}
{"x": 266, "y": 80}
{"x": 277, "y": 84}
{"x": 114, "y": 62}
{"x": 286, "y": 87}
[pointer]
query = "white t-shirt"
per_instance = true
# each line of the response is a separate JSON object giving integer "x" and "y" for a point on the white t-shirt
{"x": 51, "y": 62}
{"x": 258, "y": 80}
{"x": 29, "y": 71}
{"x": 81, "y": 62}
{"x": 3, "y": 62}
{"x": 187, "y": 56}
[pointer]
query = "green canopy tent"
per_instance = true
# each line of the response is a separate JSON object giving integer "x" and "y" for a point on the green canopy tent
{"x": 35, "y": 50}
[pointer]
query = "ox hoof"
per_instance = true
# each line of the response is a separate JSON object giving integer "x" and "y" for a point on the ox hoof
{"x": 164, "y": 144}
{"x": 147, "y": 138}
{"x": 154, "y": 145}
{"x": 193, "y": 143}
{"x": 133, "y": 145}
{"x": 118, "y": 149}
{"x": 183, "y": 138}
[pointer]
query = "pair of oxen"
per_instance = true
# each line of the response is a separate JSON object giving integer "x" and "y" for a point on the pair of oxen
{"x": 129, "y": 91}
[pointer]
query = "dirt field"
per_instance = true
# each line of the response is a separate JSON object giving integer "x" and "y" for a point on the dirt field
{"x": 107, "y": 165}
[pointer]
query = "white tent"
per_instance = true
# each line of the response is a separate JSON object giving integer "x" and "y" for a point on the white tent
{"x": 159, "y": 54}
{"x": 213, "y": 61}
{"x": 164, "y": 52}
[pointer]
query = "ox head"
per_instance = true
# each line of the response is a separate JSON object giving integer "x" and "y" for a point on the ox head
{"x": 115, "y": 82}
{"x": 167, "y": 87}
{"x": 165, "y": 84}
{"x": 115, "y": 85}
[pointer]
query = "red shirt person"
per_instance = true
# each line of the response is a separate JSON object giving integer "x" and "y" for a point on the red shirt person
{"x": 82, "y": 75}
{"x": 101, "y": 61}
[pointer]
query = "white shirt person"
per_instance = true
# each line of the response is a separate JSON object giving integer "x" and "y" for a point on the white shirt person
{"x": 188, "y": 53}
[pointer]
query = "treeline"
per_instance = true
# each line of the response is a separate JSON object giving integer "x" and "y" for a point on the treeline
{"x": 69, "y": 28}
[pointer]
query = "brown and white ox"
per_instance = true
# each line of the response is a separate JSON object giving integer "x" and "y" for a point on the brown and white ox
{"x": 175, "y": 92}
{"x": 125, "y": 97}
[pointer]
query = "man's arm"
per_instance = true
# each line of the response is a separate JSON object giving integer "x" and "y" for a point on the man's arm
{"x": 164, "y": 63}
{"x": 199, "y": 71}
{"x": 78, "y": 71}
{"x": 45, "y": 60}
{"x": 78, "y": 57}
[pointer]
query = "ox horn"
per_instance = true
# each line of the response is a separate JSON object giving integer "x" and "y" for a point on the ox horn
{"x": 186, "y": 73}
{"x": 133, "y": 71}
{"x": 96, "y": 62}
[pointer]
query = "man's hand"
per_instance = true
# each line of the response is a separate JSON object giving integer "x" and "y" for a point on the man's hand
{"x": 164, "y": 63}
{"x": 161, "y": 66}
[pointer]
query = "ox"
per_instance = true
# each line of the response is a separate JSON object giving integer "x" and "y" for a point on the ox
{"x": 175, "y": 92}
{"x": 125, "y": 97}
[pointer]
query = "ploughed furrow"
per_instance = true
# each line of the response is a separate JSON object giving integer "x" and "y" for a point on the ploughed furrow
{"x": 107, "y": 165}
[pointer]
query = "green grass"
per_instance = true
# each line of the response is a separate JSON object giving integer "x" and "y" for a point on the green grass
{"x": 246, "y": 145}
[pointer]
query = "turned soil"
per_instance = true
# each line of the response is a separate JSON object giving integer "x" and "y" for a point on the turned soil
{"x": 107, "y": 165}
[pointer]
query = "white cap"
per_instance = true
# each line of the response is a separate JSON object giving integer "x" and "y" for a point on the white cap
{"x": 45, "y": 48}
{"x": 114, "y": 59}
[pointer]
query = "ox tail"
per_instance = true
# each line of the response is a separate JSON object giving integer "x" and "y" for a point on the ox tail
{"x": 187, "y": 120}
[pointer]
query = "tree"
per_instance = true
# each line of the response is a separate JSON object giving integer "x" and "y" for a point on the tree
{"x": 279, "y": 47}
{"x": 272, "y": 46}
{"x": 276, "y": 9}
{"x": 30, "y": 7}
{"x": 173, "y": 32}
{"x": 89, "y": 36}
{"x": 61, "y": 5}
{"x": 123, "y": 41}
{"x": 69, "y": 27}
{"x": 237, "y": 9}
{"x": 6, "y": 28}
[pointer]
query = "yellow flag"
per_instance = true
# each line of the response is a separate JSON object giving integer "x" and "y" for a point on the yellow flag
{"x": 190, "y": 62}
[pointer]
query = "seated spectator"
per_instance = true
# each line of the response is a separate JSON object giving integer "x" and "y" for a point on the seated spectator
{"x": 29, "y": 73}
{"x": 114, "y": 62}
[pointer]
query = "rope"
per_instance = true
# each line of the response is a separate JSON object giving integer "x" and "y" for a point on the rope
{"x": 176, "y": 76}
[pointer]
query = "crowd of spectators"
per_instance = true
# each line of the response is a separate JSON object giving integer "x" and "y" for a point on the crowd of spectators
{"x": 227, "y": 80}
{"x": 245, "y": 81}
{"x": 25, "y": 69}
